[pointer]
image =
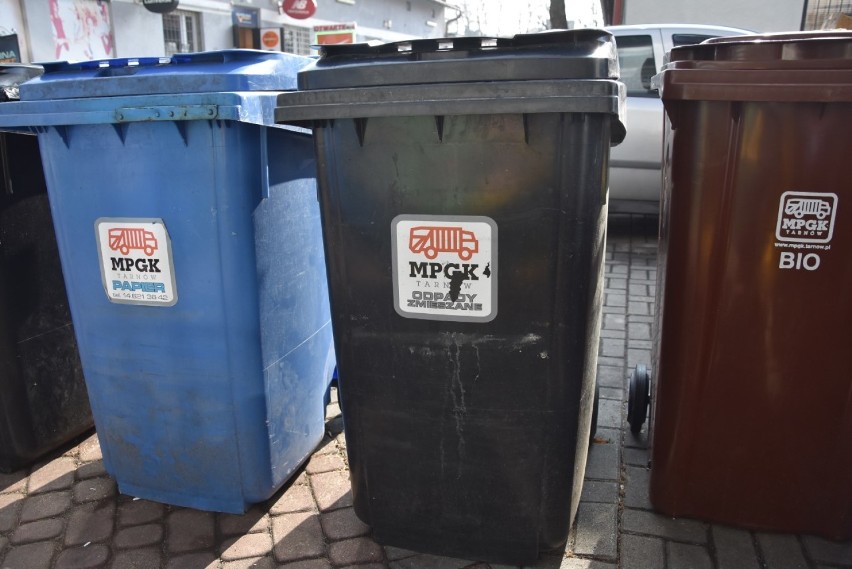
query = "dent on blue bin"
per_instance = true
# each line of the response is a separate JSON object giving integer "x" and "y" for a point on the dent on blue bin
{"x": 214, "y": 401}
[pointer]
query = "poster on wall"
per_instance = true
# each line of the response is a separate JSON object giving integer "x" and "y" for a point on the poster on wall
{"x": 81, "y": 29}
{"x": 10, "y": 49}
{"x": 334, "y": 34}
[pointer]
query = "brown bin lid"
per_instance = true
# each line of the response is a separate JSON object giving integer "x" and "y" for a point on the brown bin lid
{"x": 795, "y": 66}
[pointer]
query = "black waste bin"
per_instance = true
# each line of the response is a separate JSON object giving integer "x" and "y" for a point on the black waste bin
{"x": 452, "y": 173}
{"x": 43, "y": 397}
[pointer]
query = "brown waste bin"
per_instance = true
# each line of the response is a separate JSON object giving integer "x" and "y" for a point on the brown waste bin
{"x": 752, "y": 418}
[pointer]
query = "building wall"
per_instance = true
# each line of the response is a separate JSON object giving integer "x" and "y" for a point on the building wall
{"x": 12, "y": 22}
{"x": 137, "y": 31}
{"x": 757, "y": 15}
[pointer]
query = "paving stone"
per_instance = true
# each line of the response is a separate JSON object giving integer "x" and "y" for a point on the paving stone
{"x": 425, "y": 561}
{"x": 297, "y": 536}
{"x": 609, "y": 413}
{"x": 639, "y": 331}
{"x": 332, "y": 411}
{"x": 597, "y": 530}
{"x": 396, "y": 553}
{"x": 636, "y": 484}
{"x": 90, "y": 450}
{"x": 13, "y": 482}
{"x": 616, "y": 283}
{"x": 94, "y": 489}
{"x": 636, "y": 357}
{"x": 325, "y": 463}
{"x": 683, "y": 556}
{"x": 639, "y": 552}
{"x": 30, "y": 556}
{"x": 615, "y": 299}
{"x": 600, "y": 492}
{"x": 327, "y": 445}
{"x": 251, "y": 545}
{"x": 637, "y": 289}
{"x": 649, "y": 523}
{"x": 190, "y": 530}
{"x": 612, "y": 376}
{"x": 636, "y": 457}
{"x": 148, "y": 558}
{"x": 576, "y": 563}
{"x": 354, "y": 551}
{"x": 734, "y": 548}
{"x": 611, "y": 347}
{"x": 41, "y": 530}
{"x": 826, "y": 551}
{"x": 90, "y": 522}
{"x": 138, "y": 536}
{"x": 253, "y": 521}
{"x": 343, "y": 524}
{"x": 321, "y": 563}
{"x": 296, "y": 498}
{"x": 10, "y": 508}
{"x": 640, "y": 308}
{"x": 332, "y": 490}
{"x": 88, "y": 557}
{"x": 637, "y": 441}
{"x": 613, "y": 334}
{"x": 610, "y": 361}
{"x": 251, "y": 563}
{"x": 603, "y": 461}
{"x": 91, "y": 470}
{"x": 204, "y": 560}
{"x": 614, "y": 393}
{"x": 58, "y": 474}
{"x": 781, "y": 551}
{"x": 137, "y": 512}
{"x": 45, "y": 506}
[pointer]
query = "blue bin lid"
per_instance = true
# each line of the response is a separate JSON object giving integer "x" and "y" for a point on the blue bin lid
{"x": 233, "y": 70}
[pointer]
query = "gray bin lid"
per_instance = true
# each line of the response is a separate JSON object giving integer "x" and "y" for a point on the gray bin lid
{"x": 558, "y": 71}
{"x": 554, "y": 55}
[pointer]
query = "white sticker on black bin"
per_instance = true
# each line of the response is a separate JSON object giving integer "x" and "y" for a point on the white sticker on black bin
{"x": 445, "y": 267}
{"x": 136, "y": 261}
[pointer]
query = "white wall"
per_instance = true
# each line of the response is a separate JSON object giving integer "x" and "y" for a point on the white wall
{"x": 12, "y": 22}
{"x": 137, "y": 31}
{"x": 757, "y": 15}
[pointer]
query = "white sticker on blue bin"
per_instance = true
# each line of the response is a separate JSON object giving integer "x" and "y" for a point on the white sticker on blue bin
{"x": 136, "y": 261}
{"x": 445, "y": 267}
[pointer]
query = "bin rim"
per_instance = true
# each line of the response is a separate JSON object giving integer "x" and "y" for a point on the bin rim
{"x": 785, "y": 67}
{"x": 200, "y": 72}
{"x": 303, "y": 108}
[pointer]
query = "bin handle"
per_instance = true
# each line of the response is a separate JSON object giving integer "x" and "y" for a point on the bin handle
{"x": 166, "y": 113}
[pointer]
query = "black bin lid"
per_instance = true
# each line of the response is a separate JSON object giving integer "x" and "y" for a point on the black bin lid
{"x": 553, "y": 55}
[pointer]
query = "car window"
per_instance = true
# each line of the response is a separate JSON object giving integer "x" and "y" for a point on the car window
{"x": 636, "y": 60}
{"x": 689, "y": 39}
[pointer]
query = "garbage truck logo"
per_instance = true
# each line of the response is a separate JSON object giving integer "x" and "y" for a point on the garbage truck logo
{"x": 123, "y": 239}
{"x": 806, "y": 217}
{"x": 433, "y": 240}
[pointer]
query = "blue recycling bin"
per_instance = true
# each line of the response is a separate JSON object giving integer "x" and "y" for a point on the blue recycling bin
{"x": 189, "y": 235}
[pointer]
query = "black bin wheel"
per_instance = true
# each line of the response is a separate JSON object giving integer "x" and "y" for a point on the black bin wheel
{"x": 638, "y": 398}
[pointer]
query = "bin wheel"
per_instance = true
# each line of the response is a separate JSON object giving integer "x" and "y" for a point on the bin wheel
{"x": 638, "y": 398}
{"x": 594, "y": 430}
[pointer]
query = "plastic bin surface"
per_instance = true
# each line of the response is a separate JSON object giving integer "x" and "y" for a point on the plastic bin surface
{"x": 464, "y": 221}
{"x": 194, "y": 269}
{"x": 752, "y": 422}
{"x": 43, "y": 394}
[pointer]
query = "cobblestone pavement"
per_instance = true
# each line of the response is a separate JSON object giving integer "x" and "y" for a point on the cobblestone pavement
{"x": 65, "y": 512}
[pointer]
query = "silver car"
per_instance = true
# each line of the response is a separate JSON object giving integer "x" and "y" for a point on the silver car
{"x": 635, "y": 164}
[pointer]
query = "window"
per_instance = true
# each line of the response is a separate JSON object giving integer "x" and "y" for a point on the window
{"x": 824, "y": 14}
{"x": 636, "y": 60}
{"x": 297, "y": 40}
{"x": 180, "y": 32}
{"x": 688, "y": 39}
